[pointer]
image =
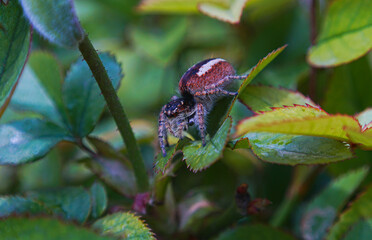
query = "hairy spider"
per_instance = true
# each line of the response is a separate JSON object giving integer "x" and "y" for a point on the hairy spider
{"x": 199, "y": 87}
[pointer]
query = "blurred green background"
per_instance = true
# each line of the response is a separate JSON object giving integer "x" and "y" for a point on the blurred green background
{"x": 155, "y": 50}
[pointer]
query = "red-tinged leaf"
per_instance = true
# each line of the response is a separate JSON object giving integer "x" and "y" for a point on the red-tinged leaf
{"x": 300, "y": 120}
{"x": 361, "y": 138}
{"x": 140, "y": 202}
{"x": 242, "y": 198}
{"x": 257, "y": 206}
{"x": 15, "y": 41}
{"x": 260, "y": 66}
{"x": 223, "y": 107}
{"x": 264, "y": 98}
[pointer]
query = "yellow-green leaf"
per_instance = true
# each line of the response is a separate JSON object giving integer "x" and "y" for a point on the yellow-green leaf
{"x": 231, "y": 14}
{"x": 301, "y": 120}
{"x": 346, "y": 34}
{"x": 175, "y": 6}
{"x": 363, "y": 138}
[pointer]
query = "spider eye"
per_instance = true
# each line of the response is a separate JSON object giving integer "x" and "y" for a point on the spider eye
{"x": 175, "y": 107}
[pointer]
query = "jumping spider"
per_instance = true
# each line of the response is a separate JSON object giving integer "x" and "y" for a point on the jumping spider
{"x": 199, "y": 87}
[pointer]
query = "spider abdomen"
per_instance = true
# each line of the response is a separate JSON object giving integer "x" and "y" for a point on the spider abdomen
{"x": 204, "y": 75}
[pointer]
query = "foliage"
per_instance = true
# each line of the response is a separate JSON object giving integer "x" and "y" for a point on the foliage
{"x": 66, "y": 172}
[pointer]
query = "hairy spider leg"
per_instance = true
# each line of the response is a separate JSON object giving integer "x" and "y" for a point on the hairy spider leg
{"x": 225, "y": 80}
{"x": 215, "y": 91}
{"x": 200, "y": 113}
{"x": 181, "y": 126}
{"x": 162, "y": 132}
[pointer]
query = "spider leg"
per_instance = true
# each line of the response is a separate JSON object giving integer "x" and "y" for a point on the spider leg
{"x": 218, "y": 91}
{"x": 201, "y": 121}
{"x": 163, "y": 136}
{"x": 181, "y": 126}
{"x": 225, "y": 80}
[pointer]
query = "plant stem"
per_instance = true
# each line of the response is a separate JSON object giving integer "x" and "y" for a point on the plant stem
{"x": 313, "y": 35}
{"x": 99, "y": 72}
{"x": 162, "y": 181}
{"x": 302, "y": 178}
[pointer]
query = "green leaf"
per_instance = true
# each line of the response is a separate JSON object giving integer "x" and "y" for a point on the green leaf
{"x": 363, "y": 139}
{"x": 198, "y": 157}
{"x": 361, "y": 231}
{"x": 346, "y": 34}
{"x": 162, "y": 163}
{"x": 113, "y": 168}
{"x": 10, "y": 205}
{"x": 82, "y": 95}
{"x": 322, "y": 211}
{"x": 124, "y": 225}
{"x": 254, "y": 232}
{"x": 294, "y": 149}
{"x": 360, "y": 209}
{"x": 193, "y": 211}
{"x": 224, "y": 106}
{"x": 99, "y": 199}
{"x": 15, "y": 39}
{"x": 55, "y": 20}
{"x": 117, "y": 174}
{"x": 28, "y": 140}
{"x": 171, "y": 6}
{"x": 264, "y": 98}
{"x": 30, "y": 96}
{"x": 107, "y": 150}
{"x": 71, "y": 203}
{"x": 345, "y": 94}
{"x": 260, "y": 66}
{"x": 49, "y": 73}
{"x": 44, "y": 229}
{"x": 230, "y": 14}
{"x": 301, "y": 120}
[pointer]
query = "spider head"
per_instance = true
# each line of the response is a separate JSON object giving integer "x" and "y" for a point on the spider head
{"x": 178, "y": 106}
